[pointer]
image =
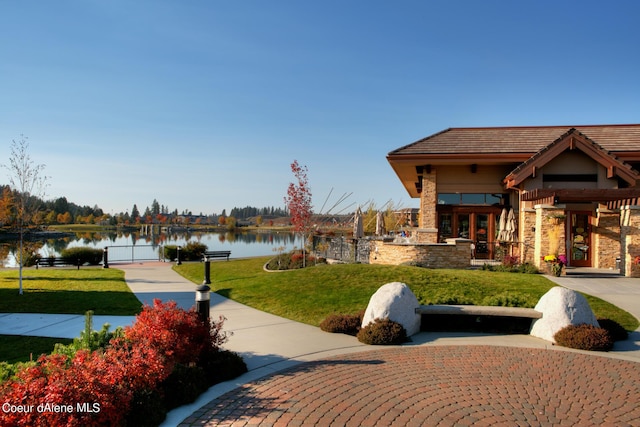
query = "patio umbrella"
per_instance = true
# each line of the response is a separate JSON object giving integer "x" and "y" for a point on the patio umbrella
{"x": 380, "y": 228}
{"x": 502, "y": 225}
{"x": 510, "y": 234}
{"x": 358, "y": 227}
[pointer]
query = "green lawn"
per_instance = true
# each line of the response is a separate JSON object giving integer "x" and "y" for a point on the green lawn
{"x": 309, "y": 295}
{"x": 67, "y": 291}
{"x": 60, "y": 290}
{"x": 15, "y": 348}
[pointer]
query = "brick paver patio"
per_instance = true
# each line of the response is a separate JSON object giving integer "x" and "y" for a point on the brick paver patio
{"x": 438, "y": 385}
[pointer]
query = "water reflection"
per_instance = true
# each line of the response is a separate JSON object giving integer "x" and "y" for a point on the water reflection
{"x": 241, "y": 244}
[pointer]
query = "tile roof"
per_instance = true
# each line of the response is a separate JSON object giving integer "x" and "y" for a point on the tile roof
{"x": 531, "y": 139}
{"x": 585, "y": 144}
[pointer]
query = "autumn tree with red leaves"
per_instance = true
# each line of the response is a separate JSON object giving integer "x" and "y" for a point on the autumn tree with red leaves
{"x": 298, "y": 201}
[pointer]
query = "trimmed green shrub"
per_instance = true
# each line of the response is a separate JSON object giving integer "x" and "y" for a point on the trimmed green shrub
{"x": 343, "y": 323}
{"x": 9, "y": 370}
{"x": 169, "y": 252}
{"x": 510, "y": 267}
{"x": 85, "y": 255}
{"x": 584, "y": 337}
{"x": 192, "y": 251}
{"x": 617, "y": 332}
{"x": 510, "y": 299}
{"x": 89, "y": 339}
{"x": 443, "y": 297}
{"x": 382, "y": 332}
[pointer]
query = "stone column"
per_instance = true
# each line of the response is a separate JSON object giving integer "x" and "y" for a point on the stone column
{"x": 427, "y": 231}
{"x": 527, "y": 231}
{"x": 550, "y": 233}
{"x": 606, "y": 238}
{"x": 630, "y": 239}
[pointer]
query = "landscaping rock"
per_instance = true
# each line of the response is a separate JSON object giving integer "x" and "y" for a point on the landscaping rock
{"x": 561, "y": 307}
{"x": 394, "y": 301}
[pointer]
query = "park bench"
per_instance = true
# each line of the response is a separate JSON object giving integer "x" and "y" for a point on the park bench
{"x": 217, "y": 254}
{"x": 479, "y": 310}
{"x": 54, "y": 261}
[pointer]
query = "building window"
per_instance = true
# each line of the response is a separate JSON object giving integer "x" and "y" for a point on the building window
{"x": 478, "y": 223}
{"x": 471, "y": 199}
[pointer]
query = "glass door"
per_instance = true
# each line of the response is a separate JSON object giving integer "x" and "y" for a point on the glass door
{"x": 482, "y": 236}
{"x": 463, "y": 226}
{"x": 580, "y": 239}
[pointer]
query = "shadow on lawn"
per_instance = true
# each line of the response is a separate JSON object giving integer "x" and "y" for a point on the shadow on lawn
{"x": 37, "y": 300}
{"x": 226, "y": 292}
{"x": 27, "y": 277}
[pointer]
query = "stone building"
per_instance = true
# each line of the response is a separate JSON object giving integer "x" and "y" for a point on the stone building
{"x": 529, "y": 192}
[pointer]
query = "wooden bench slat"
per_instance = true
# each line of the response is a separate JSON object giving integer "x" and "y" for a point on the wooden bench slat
{"x": 217, "y": 254}
{"x": 479, "y": 310}
{"x": 52, "y": 262}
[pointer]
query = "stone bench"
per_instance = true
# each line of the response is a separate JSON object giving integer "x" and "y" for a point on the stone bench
{"x": 557, "y": 309}
{"x": 479, "y": 310}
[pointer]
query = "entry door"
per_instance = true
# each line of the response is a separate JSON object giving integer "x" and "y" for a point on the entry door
{"x": 580, "y": 239}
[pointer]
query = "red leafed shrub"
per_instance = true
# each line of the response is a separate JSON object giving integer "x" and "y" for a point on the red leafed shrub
{"x": 62, "y": 392}
{"x": 175, "y": 333}
{"x": 108, "y": 386}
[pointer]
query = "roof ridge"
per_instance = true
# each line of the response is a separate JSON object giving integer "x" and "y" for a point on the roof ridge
{"x": 535, "y": 127}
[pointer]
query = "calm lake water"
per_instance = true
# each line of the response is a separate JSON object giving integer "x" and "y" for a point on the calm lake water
{"x": 130, "y": 247}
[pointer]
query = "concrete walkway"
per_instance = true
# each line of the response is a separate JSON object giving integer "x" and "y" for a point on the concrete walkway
{"x": 270, "y": 344}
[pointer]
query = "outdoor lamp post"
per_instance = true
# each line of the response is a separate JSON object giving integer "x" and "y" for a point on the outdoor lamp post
{"x": 178, "y": 249}
{"x": 207, "y": 271}
{"x": 105, "y": 257}
{"x": 203, "y": 296}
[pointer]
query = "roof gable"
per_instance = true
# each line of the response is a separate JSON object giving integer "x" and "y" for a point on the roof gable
{"x": 572, "y": 140}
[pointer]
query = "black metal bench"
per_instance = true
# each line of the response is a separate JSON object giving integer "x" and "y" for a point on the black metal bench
{"x": 217, "y": 254}
{"x": 53, "y": 261}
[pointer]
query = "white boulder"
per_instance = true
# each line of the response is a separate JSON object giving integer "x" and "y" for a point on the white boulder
{"x": 396, "y": 302}
{"x": 561, "y": 307}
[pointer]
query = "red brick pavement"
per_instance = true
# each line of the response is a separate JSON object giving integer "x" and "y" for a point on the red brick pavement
{"x": 433, "y": 385}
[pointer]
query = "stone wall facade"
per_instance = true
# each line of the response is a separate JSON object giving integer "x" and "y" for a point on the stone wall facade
{"x": 454, "y": 254}
{"x": 427, "y": 231}
{"x": 550, "y": 233}
{"x": 630, "y": 237}
{"x": 606, "y": 239}
{"x": 527, "y": 239}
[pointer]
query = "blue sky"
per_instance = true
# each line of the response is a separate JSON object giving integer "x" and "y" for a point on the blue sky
{"x": 203, "y": 105}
